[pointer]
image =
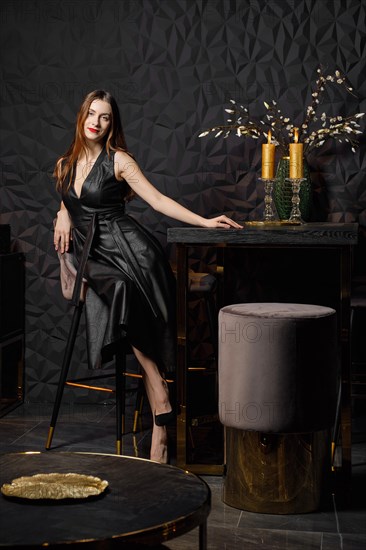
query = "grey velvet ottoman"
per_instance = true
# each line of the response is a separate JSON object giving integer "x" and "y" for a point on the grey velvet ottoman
{"x": 277, "y": 401}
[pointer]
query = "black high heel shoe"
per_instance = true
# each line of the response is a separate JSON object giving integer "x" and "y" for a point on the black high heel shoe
{"x": 165, "y": 418}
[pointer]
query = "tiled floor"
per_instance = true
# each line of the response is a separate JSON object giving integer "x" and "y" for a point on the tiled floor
{"x": 340, "y": 525}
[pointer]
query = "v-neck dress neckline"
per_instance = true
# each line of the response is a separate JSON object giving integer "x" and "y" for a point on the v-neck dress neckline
{"x": 96, "y": 163}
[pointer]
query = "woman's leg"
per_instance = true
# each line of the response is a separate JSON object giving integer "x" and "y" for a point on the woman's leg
{"x": 159, "y": 436}
{"x": 158, "y": 386}
{"x": 158, "y": 396}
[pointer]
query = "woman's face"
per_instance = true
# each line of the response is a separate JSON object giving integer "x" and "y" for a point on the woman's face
{"x": 98, "y": 120}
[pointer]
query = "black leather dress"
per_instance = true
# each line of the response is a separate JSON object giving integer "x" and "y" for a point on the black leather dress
{"x": 131, "y": 287}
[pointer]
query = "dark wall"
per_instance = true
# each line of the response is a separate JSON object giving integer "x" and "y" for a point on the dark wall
{"x": 172, "y": 66}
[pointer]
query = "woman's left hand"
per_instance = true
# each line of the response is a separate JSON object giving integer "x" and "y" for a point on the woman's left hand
{"x": 223, "y": 222}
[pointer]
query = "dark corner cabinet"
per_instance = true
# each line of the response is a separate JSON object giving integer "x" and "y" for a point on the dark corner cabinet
{"x": 11, "y": 331}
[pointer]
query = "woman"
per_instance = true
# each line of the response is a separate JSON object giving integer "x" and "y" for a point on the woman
{"x": 122, "y": 263}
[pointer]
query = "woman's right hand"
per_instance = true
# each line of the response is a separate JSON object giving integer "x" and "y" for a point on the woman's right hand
{"x": 62, "y": 234}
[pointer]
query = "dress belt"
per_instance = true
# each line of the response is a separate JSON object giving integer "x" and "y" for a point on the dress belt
{"x": 100, "y": 215}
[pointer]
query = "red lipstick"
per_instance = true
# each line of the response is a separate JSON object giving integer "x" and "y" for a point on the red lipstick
{"x": 93, "y": 130}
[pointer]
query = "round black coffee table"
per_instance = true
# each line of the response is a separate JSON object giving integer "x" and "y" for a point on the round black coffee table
{"x": 145, "y": 503}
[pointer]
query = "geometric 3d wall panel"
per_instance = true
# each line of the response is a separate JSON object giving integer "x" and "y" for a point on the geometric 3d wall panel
{"x": 172, "y": 66}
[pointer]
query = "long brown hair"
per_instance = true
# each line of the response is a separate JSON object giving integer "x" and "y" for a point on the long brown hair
{"x": 114, "y": 140}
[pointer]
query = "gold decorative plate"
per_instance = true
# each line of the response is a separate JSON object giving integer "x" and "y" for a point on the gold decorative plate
{"x": 54, "y": 486}
{"x": 269, "y": 224}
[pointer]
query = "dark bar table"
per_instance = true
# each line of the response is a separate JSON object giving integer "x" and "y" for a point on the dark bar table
{"x": 310, "y": 242}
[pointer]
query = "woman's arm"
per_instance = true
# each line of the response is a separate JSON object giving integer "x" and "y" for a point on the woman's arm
{"x": 62, "y": 234}
{"x": 127, "y": 168}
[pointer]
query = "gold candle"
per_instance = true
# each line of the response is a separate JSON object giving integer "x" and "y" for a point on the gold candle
{"x": 268, "y": 158}
{"x": 296, "y": 158}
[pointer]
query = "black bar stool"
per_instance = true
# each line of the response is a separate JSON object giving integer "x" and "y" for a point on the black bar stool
{"x": 203, "y": 286}
{"x": 120, "y": 384}
{"x": 68, "y": 276}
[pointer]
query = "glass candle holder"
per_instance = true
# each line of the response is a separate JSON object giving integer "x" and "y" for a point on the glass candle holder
{"x": 269, "y": 214}
{"x": 295, "y": 215}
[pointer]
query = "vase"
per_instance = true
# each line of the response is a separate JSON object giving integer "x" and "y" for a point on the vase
{"x": 282, "y": 193}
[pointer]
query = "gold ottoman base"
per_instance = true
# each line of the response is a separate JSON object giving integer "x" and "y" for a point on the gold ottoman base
{"x": 276, "y": 473}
